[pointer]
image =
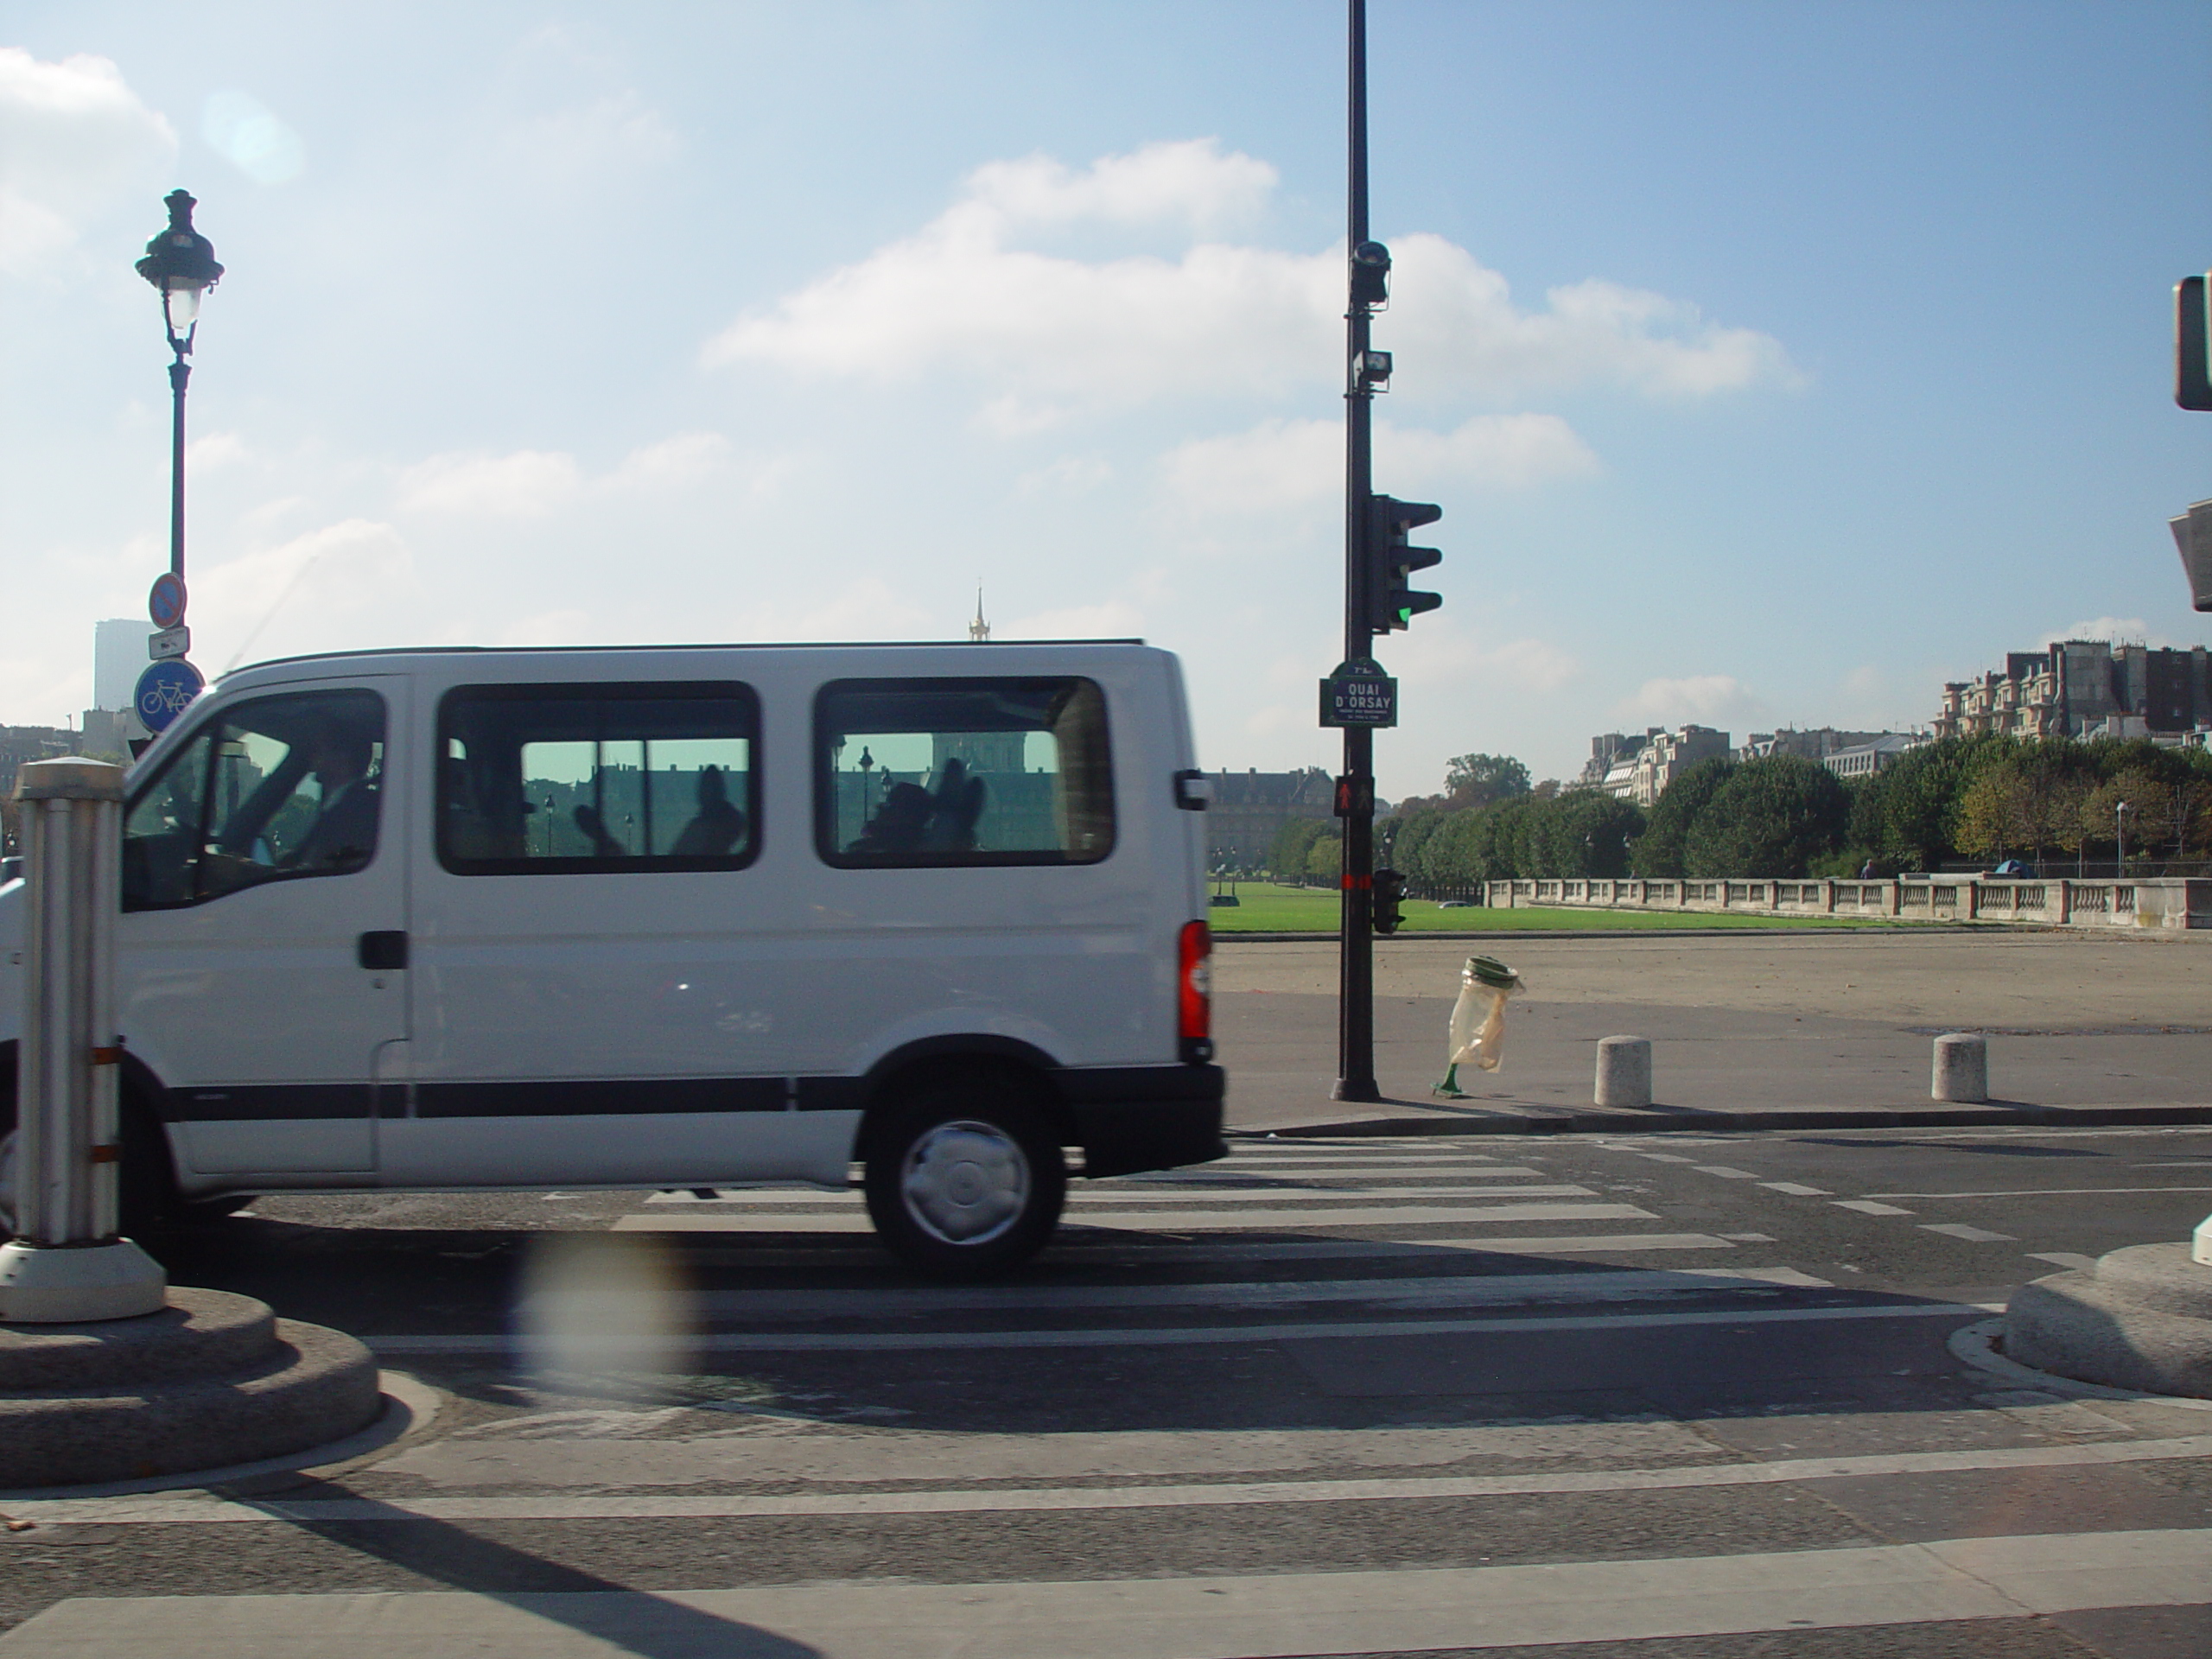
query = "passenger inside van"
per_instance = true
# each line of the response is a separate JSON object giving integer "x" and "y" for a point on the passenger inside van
{"x": 718, "y": 827}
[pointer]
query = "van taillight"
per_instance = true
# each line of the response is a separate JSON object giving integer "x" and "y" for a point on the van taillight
{"x": 1194, "y": 992}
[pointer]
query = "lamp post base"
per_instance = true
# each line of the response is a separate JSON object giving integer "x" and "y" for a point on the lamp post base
{"x": 72, "y": 1284}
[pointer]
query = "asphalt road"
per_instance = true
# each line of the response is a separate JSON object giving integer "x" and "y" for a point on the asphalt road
{"x": 1666, "y": 1396}
{"x": 1832, "y": 1022}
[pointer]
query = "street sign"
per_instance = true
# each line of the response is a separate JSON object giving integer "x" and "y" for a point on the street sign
{"x": 169, "y": 642}
{"x": 164, "y": 691}
{"x": 1359, "y": 694}
{"x": 165, "y": 603}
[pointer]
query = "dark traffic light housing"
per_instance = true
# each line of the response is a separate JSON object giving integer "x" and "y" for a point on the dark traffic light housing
{"x": 2192, "y": 345}
{"x": 1390, "y": 603}
{"x": 1385, "y": 891}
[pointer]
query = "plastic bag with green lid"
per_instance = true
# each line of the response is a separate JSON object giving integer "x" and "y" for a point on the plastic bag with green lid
{"x": 1479, "y": 1019}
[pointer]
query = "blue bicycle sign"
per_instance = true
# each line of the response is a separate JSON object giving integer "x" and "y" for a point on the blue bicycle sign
{"x": 165, "y": 689}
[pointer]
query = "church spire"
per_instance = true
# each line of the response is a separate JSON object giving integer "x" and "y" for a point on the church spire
{"x": 979, "y": 632}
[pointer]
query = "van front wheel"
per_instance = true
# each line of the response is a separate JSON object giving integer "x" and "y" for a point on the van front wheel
{"x": 964, "y": 1180}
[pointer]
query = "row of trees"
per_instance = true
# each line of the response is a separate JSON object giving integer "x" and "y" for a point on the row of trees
{"x": 1977, "y": 799}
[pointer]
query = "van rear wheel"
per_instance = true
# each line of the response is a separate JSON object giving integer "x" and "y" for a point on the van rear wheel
{"x": 964, "y": 1180}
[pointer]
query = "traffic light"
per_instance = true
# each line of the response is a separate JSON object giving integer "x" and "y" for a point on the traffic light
{"x": 1390, "y": 603}
{"x": 1386, "y": 889}
{"x": 2192, "y": 345}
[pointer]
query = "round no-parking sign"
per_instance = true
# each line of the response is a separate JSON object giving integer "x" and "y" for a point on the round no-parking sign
{"x": 165, "y": 689}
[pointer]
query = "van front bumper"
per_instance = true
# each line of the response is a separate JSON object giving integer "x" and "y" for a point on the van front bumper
{"x": 1133, "y": 1117}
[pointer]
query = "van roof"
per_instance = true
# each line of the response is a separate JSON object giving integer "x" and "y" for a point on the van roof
{"x": 710, "y": 644}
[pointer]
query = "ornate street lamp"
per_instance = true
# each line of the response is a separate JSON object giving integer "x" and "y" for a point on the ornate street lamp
{"x": 2120, "y": 812}
{"x": 181, "y": 264}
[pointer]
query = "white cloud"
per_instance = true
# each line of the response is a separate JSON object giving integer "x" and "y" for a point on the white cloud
{"x": 1191, "y": 182}
{"x": 528, "y": 483}
{"x": 615, "y": 131}
{"x": 536, "y": 483}
{"x": 73, "y": 136}
{"x": 1458, "y": 325}
{"x": 1069, "y": 475}
{"x": 1112, "y": 619}
{"x": 1440, "y": 651}
{"x": 1502, "y": 451}
{"x": 1276, "y": 464}
{"x": 252, "y": 137}
{"x": 2120, "y": 630}
{"x": 1719, "y": 700}
{"x": 216, "y": 449}
{"x": 1283, "y": 463}
{"x": 317, "y": 589}
{"x": 1040, "y": 332}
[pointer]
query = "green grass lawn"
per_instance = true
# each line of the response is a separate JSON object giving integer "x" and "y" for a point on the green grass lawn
{"x": 1265, "y": 907}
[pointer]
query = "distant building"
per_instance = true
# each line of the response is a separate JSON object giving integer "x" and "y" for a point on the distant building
{"x": 118, "y": 658}
{"x": 2080, "y": 688}
{"x": 1881, "y": 752}
{"x": 1249, "y": 808}
{"x": 1639, "y": 768}
{"x": 19, "y": 744}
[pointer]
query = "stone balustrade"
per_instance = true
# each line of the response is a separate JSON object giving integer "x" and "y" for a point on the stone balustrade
{"x": 2160, "y": 902}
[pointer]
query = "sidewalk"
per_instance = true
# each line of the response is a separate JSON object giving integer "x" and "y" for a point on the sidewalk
{"x": 1833, "y": 1031}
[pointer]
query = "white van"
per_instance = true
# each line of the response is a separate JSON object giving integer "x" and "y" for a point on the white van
{"x": 673, "y": 917}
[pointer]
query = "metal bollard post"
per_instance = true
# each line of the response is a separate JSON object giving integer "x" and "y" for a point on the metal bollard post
{"x": 1961, "y": 1068}
{"x": 1623, "y": 1072}
{"x": 66, "y": 1264}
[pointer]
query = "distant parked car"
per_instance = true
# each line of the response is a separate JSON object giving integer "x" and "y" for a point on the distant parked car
{"x": 1455, "y": 904}
{"x": 2014, "y": 867}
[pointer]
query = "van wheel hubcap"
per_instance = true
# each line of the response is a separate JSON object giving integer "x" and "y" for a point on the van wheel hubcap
{"x": 965, "y": 1182}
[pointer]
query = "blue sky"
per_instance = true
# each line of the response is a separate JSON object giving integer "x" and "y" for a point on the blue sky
{"x": 1772, "y": 363}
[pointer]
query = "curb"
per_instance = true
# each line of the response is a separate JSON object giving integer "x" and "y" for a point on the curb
{"x": 1662, "y": 1119}
{"x": 1908, "y": 929}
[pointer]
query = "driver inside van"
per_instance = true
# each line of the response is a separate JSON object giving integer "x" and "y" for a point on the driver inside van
{"x": 344, "y": 833}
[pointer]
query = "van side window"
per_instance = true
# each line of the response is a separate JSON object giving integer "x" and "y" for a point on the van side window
{"x": 567, "y": 780}
{"x": 962, "y": 771}
{"x": 273, "y": 790}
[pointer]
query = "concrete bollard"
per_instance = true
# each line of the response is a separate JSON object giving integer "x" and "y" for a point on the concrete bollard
{"x": 1624, "y": 1071}
{"x": 66, "y": 1264}
{"x": 1961, "y": 1068}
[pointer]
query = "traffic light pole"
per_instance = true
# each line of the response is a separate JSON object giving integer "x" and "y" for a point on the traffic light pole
{"x": 1355, "y": 954}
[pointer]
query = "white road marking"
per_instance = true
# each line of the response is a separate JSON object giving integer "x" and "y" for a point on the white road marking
{"x": 1197, "y": 1336}
{"x": 2064, "y": 1258}
{"x": 162, "y": 1510}
{"x": 1119, "y": 1255}
{"x": 2046, "y": 1192}
{"x": 1165, "y": 1193}
{"x": 1868, "y": 1207}
{"x": 1972, "y": 1235}
{"x": 1797, "y": 1190}
{"x": 1439, "y": 1291}
{"x": 1665, "y": 1157}
{"x": 1260, "y": 1616}
{"x": 1169, "y": 1220}
{"x": 1727, "y": 1173}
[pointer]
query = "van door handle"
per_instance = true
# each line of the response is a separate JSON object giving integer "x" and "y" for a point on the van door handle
{"x": 383, "y": 952}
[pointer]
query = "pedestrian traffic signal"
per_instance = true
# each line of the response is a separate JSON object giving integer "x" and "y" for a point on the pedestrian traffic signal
{"x": 1385, "y": 890}
{"x": 1390, "y": 603}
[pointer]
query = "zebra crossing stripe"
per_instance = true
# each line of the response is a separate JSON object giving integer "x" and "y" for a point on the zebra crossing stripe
{"x": 446, "y": 1460}
{"x": 1457, "y": 1289}
{"x": 1260, "y": 1616}
{"x": 1166, "y": 1221}
{"x": 748, "y": 1342}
